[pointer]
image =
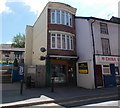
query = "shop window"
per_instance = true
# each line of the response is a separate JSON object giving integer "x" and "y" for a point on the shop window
{"x": 5, "y": 52}
{"x": 59, "y": 73}
{"x": 103, "y": 28}
{"x": 117, "y": 71}
{"x": 6, "y": 55}
{"x": 106, "y": 70}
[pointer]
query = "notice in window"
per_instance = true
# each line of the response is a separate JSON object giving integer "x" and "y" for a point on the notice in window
{"x": 83, "y": 68}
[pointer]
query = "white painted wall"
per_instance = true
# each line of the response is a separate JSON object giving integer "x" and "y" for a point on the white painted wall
{"x": 86, "y": 80}
{"x": 83, "y": 40}
{"x": 112, "y": 36}
{"x": 28, "y": 45}
{"x": 40, "y": 38}
{"x": 85, "y": 52}
{"x": 85, "y": 49}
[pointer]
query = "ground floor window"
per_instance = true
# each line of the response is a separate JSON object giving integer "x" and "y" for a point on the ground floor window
{"x": 106, "y": 69}
{"x": 59, "y": 72}
{"x": 117, "y": 72}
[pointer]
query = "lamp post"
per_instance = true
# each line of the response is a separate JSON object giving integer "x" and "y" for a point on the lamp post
{"x": 52, "y": 81}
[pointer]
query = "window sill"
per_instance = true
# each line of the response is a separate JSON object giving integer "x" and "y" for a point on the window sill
{"x": 61, "y": 24}
{"x": 62, "y": 49}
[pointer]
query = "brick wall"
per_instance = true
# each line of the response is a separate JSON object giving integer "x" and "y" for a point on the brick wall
{"x": 64, "y": 28}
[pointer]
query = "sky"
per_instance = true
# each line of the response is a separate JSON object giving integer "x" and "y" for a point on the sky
{"x": 16, "y": 14}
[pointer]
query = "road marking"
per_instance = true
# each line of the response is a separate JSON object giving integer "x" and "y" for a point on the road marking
{"x": 75, "y": 101}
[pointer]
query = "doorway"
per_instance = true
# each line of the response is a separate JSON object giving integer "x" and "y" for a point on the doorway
{"x": 99, "y": 79}
{"x": 71, "y": 75}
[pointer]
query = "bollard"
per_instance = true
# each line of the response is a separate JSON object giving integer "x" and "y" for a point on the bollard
{"x": 21, "y": 87}
{"x": 52, "y": 84}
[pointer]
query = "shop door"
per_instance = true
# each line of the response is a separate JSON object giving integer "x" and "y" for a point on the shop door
{"x": 99, "y": 80}
{"x": 71, "y": 75}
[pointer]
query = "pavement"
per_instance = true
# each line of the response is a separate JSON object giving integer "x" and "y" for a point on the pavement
{"x": 11, "y": 96}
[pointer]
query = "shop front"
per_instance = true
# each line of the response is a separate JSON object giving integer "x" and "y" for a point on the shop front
{"x": 107, "y": 71}
{"x": 63, "y": 69}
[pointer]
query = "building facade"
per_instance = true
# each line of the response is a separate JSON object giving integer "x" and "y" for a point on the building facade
{"x": 51, "y": 43}
{"x": 8, "y": 54}
{"x": 59, "y": 40}
{"x": 98, "y": 51}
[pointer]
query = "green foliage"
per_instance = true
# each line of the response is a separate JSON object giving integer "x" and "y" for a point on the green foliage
{"x": 16, "y": 62}
{"x": 19, "y": 41}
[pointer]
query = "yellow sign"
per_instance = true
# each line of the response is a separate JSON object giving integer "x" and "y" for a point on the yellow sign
{"x": 83, "y": 68}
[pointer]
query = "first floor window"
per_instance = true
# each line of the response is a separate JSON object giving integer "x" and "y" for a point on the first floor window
{"x": 71, "y": 42}
{"x": 105, "y": 46}
{"x": 68, "y": 42}
{"x": 53, "y": 40}
{"x": 58, "y": 41}
{"x": 61, "y": 41}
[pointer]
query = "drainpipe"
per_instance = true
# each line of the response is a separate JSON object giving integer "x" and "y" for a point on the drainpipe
{"x": 94, "y": 60}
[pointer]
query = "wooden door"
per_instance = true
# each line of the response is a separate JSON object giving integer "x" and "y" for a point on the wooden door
{"x": 99, "y": 80}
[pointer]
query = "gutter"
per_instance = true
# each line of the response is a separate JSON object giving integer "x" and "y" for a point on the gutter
{"x": 94, "y": 60}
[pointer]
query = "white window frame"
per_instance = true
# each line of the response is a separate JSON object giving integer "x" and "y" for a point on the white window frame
{"x": 69, "y": 17}
{"x": 54, "y": 17}
{"x": 103, "y": 28}
{"x": 66, "y": 42}
{"x": 108, "y": 67}
{"x": 51, "y": 41}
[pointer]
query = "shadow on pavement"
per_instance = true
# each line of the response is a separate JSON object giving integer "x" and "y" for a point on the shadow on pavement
{"x": 11, "y": 93}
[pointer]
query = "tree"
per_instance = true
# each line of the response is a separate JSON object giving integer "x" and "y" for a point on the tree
{"x": 19, "y": 41}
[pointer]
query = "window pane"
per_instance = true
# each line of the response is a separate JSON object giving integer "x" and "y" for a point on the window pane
{"x": 63, "y": 17}
{"x": 71, "y": 43}
{"x": 60, "y": 73}
{"x": 103, "y": 28}
{"x": 70, "y": 18}
{"x": 105, "y": 46}
{"x": 63, "y": 42}
{"x": 58, "y": 41}
{"x": 68, "y": 43}
{"x": 67, "y": 22}
{"x": 52, "y": 16}
{"x": 106, "y": 69}
{"x": 58, "y": 17}
{"x": 53, "y": 40}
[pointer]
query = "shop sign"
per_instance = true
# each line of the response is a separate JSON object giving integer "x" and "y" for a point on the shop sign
{"x": 83, "y": 68}
{"x": 108, "y": 59}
